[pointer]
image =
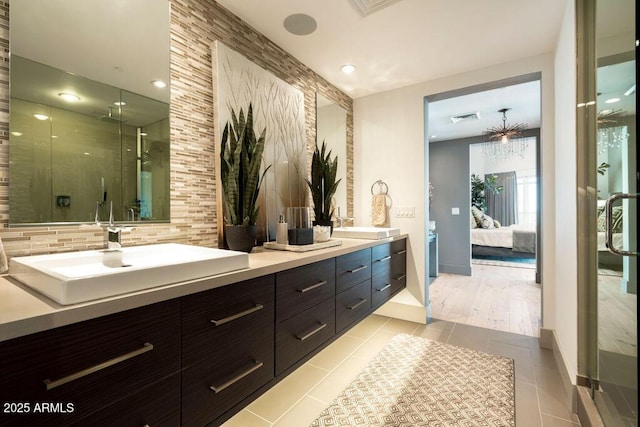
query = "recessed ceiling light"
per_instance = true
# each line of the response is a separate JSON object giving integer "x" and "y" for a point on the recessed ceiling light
{"x": 120, "y": 103}
{"x": 86, "y": 153}
{"x": 16, "y": 133}
{"x": 348, "y": 68}
{"x": 300, "y": 24}
{"x": 54, "y": 136}
{"x": 612, "y": 100}
{"x": 41, "y": 116}
{"x": 143, "y": 134}
{"x": 69, "y": 97}
{"x": 159, "y": 84}
{"x": 434, "y": 136}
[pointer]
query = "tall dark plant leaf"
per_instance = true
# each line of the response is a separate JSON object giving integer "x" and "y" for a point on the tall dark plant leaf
{"x": 241, "y": 161}
{"x": 322, "y": 183}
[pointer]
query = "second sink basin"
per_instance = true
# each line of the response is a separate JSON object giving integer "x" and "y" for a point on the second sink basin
{"x": 74, "y": 277}
{"x": 371, "y": 233}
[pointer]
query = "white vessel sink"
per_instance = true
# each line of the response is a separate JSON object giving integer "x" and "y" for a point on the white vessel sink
{"x": 371, "y": 233}
{"x": 74, "y": 277}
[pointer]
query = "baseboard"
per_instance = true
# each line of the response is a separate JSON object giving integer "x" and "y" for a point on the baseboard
{"x": 587, "y": 411}
{"x": 455, "y": 269}
{"x": 546, "y": 339}
{"x": 549, "y": 340}
{"x": 404, "y": 306}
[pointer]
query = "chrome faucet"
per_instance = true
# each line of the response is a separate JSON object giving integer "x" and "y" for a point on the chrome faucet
{"x": 114, "y": 233}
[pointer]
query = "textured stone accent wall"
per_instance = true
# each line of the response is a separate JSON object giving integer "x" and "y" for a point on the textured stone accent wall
{"x": 195, "y": 24}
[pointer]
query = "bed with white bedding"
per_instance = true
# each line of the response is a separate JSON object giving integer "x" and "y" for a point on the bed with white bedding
{"x": 517, "y": 241}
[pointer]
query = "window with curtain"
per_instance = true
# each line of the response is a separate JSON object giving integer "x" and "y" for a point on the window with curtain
{"x": 503, "y": 205}
{"x": 527, "y": 199}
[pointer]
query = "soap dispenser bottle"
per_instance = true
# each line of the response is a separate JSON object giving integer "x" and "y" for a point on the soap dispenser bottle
{"x": 282, "y": 233}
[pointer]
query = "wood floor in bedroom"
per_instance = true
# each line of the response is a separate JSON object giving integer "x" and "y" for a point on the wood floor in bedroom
{"x": 495, "y": 297}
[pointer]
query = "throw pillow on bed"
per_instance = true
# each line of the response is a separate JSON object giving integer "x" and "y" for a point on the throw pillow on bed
{"x": 487, "y": 222}
{"x": 477, "y": 215}
{"x": 496, "y": 224}
{"x": 474, "y": 224}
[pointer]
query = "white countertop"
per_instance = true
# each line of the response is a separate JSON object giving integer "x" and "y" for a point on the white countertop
{"x": 24, "y": 311}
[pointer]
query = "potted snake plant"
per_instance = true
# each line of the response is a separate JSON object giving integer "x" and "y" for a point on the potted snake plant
{"x": 323, "y": 184}
{"x": 241, "y": 161}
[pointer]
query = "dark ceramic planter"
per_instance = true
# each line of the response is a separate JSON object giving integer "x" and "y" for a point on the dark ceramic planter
{"x": 241, "y": 237}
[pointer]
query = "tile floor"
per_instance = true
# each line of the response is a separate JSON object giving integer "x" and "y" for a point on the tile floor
{"x": 299, "y": 398}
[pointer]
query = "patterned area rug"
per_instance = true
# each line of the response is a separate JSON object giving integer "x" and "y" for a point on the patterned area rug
{"x": 418, "y": 382}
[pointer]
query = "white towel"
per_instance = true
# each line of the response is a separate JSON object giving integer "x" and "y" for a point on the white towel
{"x": 379, "y": 209}
{"x": 4, "y": 265}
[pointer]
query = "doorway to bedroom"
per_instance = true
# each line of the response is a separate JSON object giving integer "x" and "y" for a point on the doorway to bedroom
{"x": 491, "y": 281}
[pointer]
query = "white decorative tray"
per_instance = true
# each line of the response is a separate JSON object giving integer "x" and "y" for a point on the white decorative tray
{"x": 302, "y": 248}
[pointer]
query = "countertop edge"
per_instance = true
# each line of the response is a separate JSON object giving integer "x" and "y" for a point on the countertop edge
{"x": 24, "y": 311}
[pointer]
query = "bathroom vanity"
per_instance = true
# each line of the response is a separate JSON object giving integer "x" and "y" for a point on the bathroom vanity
{"x": 191, "y": 353}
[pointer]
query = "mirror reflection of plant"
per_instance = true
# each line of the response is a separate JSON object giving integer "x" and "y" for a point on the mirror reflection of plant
{"x": 323, "y": 184}
{"x": 602, "y": 168}
{"x": 241, "y": 160}
{"x": 479, "y": 188}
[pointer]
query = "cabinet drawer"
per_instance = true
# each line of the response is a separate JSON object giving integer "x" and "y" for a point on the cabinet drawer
{"x": 381, "y": 257}
{"x": 298, "y": 336}
{"x": 352, "y": 269}
{"x": 227, "y": 347}
{"x": 399, "y": 257}
{"x": 90, "y": 364}
{"x": 215, "y": 385}
{"x": 384, "y": 286}
{"x": 353, "y": 304}
{"x": 155, "y": 406}
{"x": 227, "y": 319}
{"x": 301, "y": 288}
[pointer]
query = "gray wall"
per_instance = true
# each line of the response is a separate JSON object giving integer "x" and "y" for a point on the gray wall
{"x": 450, "y": 177}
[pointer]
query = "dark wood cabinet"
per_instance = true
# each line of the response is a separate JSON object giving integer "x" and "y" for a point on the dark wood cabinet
{"x": 198, "y": 359}
{"x": 352, "y": 269}
{"x": 390, "y": 271}
{"x": 305, "y": 311}
{"x": 353, "y": 304}
{"x": 155, "y": 406}
{"x": 85, "y": 367}
{"x": 301, "y": 288}
{"x": 301, "y": 334}
{"x": 228, "y": 347}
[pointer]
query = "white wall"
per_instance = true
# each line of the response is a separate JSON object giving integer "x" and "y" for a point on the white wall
{"x": 389, "y": 144}
{"x": 562, "y": 311}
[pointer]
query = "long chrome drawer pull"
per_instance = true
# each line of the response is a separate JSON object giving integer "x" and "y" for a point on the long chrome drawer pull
{"x": 387, "y": 258}
{"x": 312, "y": 287}
{"x": 401, "y": 277}
{"x": 320, "y": 327}
{"x": 384, "y": 288}
{"x": 358, "y": 304}
{"x": 238, "y": 315}
{"x": 218, "y": 388}
{"x": 355, "y": 270}
{"x": 56, "y": 383}
{"x": 404, "y": 251}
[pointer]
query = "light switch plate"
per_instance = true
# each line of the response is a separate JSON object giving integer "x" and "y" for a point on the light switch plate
{"x": 455, "y": 211}
{"x": 405, "y": 212}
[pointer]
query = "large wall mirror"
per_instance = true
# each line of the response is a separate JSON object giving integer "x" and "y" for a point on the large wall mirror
{"x": 89, "y": 122}
{"x": 331, "y": 127}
